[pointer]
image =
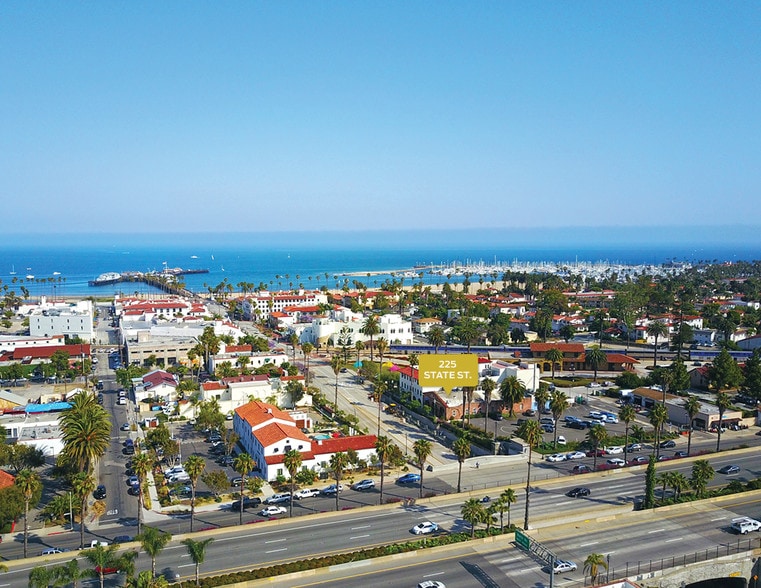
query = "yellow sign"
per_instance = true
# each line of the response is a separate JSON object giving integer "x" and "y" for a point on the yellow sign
{"x": 448, "y": 371}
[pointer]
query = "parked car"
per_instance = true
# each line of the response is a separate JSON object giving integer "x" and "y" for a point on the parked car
{"x": 125, "y": 427}
{"x": 333, "y": 489}
{"x": 575, "y": 455}
{"x": 248, "y": 501}
{"x": 364, "y": 485}
{"x": 581, "y": 469}
{"x": 306, "y": 493}
{"x": 424, "y": 528}
{"x": 681, "y": 454}
{"x": 580, "y": 425}
{"x": 555, "y": 457}
{"x": 409, "y": 479}
{"x": 51, "y": 551}
{"x": 100, "y": 492}
{"x": 277, "y": 498}
{"x": 728, "y": 470}
{"x": 123, "y": 539}
{"x": 269, "y": 511}
{"x": 563, "y": 566}
{"x": 548, "y": 428}
{"x": 561, "y": 440}
{"x": 578, "y": 492}
{"x": 668, "y": 444}
{"x": 236, "y": 481}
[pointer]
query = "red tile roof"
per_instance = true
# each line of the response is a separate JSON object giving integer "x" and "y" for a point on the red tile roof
{"x": 6, "y": 479}
{"x": 274, "y": 432}
{"x": 564, "y": 347}
{"x": 256, "y": 413}
{"x": 344, "y": 444}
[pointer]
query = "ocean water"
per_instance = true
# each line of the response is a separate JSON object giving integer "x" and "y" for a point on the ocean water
{"x": 59, "y": 266}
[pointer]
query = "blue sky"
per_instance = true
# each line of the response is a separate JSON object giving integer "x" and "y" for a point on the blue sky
{"x": 268, "y": 116}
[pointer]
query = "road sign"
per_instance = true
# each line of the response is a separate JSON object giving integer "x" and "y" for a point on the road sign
{"x": 522, "y": 540}
{"x": 448, "y": 370}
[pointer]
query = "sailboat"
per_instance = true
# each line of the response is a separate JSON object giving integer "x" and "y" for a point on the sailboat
{"x": 13, "y": 270}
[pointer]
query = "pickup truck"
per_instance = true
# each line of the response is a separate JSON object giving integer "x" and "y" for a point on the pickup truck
{"x": 744, "y": 525}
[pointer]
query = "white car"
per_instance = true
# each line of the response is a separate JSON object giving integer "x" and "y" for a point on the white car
{"x": 271, "y": 511}
{"x": 556, "y": 457}
{"x": 616, "y": 461}
{"x": 277, "y": 499}
{"x": 562, "y": 565}
{"x": 614, "y": 450}
{"x": 610, "y": 418}
{"x": 122, "y": 401}
{"x": 561, "y": 440}
{"x": 306, "y": 493}
{"x": 575, "y": 455}
{"x": 424, "y": 528}
{"x": 52, "y": 551}
{"x": 431, "y": 584}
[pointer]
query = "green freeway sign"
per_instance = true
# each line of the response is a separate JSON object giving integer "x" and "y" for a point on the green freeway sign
{"x": 522, "y": 540}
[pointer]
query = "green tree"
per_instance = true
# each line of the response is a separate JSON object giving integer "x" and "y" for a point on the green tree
{"x": 141, "y": 464}
{"x": 436, "y": 338}
{"x": 657, "y": 330}
{"x": 243, "y": 465}
{"x": 531, "y": 433}
{"x": 467, "y": 331}
{"x": 194, "y": 466}
{"x": 626, "y": 415}
{"x": 292, "y": 461}
{"x": 680, "y": 379}
{"x": 650, "y": 484}
{"x": 657, "y": 418}
{"x": 595, "y": 358}
{"x": 102, "y": 558}
{"x": 679, "y": 482}
{"x": 724, "y": 372}
{"x": 473, "y": 512}
{"x": 555, "y": 357}
{"x": 752, "y": 376}
{"x": 197, "y": 553}
{"x": 702, "y": 474}
{"x": 383, "y": 448}
{"x": 85, "y": 432}
{"x": 71, "y": 573}
{"x": 41, "y": 577}
{"x": 558, "y": 405}
{"x": 692, "y": 407}
{"x": 153, "y": 541}
{"x": 541, "y": 396}
{"x": 506, "y": 498}
{"x": 30, "y": 485}
{"x": 512, "y": 391}
{"x": 338, "y": 463}
{"x": 461, "y": 449}
{"x": 592, "y": 565}
{"x": 335, "y": 365}
{"x": 370, "y": 328}
{"x": 596, "y": 437}
{"x": 422, "y": 449}
{"x": 83, "y": 484}
{"x": 723, "y": 402}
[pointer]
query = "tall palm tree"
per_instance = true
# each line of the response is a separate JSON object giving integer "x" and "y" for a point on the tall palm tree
{"x": 359, "y": 347}
{"x": 383, "y": 448}
{"x": 692, "y": 407}
{"x": 292, "y": 461}
{"x": 197, "y": 553}
{"x": 371, "y": 327}
{"x": 461, "y": 449}
{"x": 593, "y": 563}
{"x": 658, "y": 416}
{"x": 85, "y": 432}
{"x": 83, "y": 484}
{"x": 541, "y": 396}
{"x": 558, "y": 405}
{"x": 378, "y": 390}
{"x": 596, "y": 358}
{"x": 656, "y": 329}
{"x": 436, "y": 338}
{"x": 29, "y": 484}
{"x": 338, "y": 463}
{"x": 382, "y": 346}
{"x": 70, "y": 573}
{"x": 531, "y": 434}
{"x": 102, "y": 558}
{"x": 153, "y": 541}
{"x": 702, "y": 473}
{"x": 626, "y": 415}
{"x": 194, "y": 466}
{"x": 243, "y": 464}
{"x": 335, "y": 365}
{"x": 473, "y": 512}
{"x": 488, "y": 386}
{"x": 306, "y": 349}
{"x": 422, "y": 449}
{"x": 723, "y": 402}
{"x": 554, "y": 356}
{"x": 41, "y": 577}
{"x": 596, "y": 437}
{"x": 141, "y": 464}
{"x": 512, "y": 391}
{"x": 506, "y": 498}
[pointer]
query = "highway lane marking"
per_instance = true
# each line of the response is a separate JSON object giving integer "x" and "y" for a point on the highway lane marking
{"x": 359, "y": 537}
{"x": 672, "y": 540}
{"x": 717, "y": 519}
{"x": 362, "y": 527}
{"x": 588, "y": 544}
{"x": 187, "y": 566}
{"x": 434, "y": 575}
{"x": 276, "y": 550}
{"x": 276, "y": 540}
{"x": 656, "y": 531}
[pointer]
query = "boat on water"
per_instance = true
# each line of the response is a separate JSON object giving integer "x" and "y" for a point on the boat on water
{"x": 13, "y": 270}
{"x": 105, "y": 279}
{"x": 29, "y": 276}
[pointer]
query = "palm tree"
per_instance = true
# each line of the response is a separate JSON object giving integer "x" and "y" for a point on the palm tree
{"x": 461, "y": 449}
{"x": 101, "y": 558}
{"x": 382, "y": 346}
{"x": 512, "y": 391}
{"x": 692, "y": 407}
{"x": 596, "y": 437}
{"x": 723, "y": 402}
{"x": 70, "y": 573}
{"x": 656, "y": 329}
{"x": 85, "y": 432}
{"x": 488, "y": 386}
{"x": 627, "y": 415}
{"x": 663, "y": 480}
{"x": 702, "y": 473}
{"x": 506, "y": 498}
{"x": 596, "y": 358}
{"x": 243, "y": 465}
{"x": 436, "y": 338}
{"x": 338, "y": 463}
{"x": 197, "y": 552}
{"x": 383, "y": 448}
{"x": 473, "y": 512}
{"x": 558, "y": 405}
{"x": 335, "y": 365}
{"x": 593, "y": 563}
{"x": 541, "y": 396}
{"x": 41, "y": 577}
{"x": 292, "y": 461}
{"x": 658, "y": 415}
{"x": 306, "y": 349}
{"x": 531, "y": 434}
{"x": 144, "y": 580}
{"x": 141, "y": 464}
{"x": 83, "y": 484}
{"x": 153, "y": 541}
{"x": 194, "y": 466}
{"x": 679, "y": 482}
{"x": 370, "y": 327}
{"x": 29, "y": 484}
{"x": 359, "y": 346}
{"x": 554, "y": 356}
{"x": 422, "y": 449}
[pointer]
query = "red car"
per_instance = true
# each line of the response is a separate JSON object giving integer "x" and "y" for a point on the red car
{"x": 106, "y": 570}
